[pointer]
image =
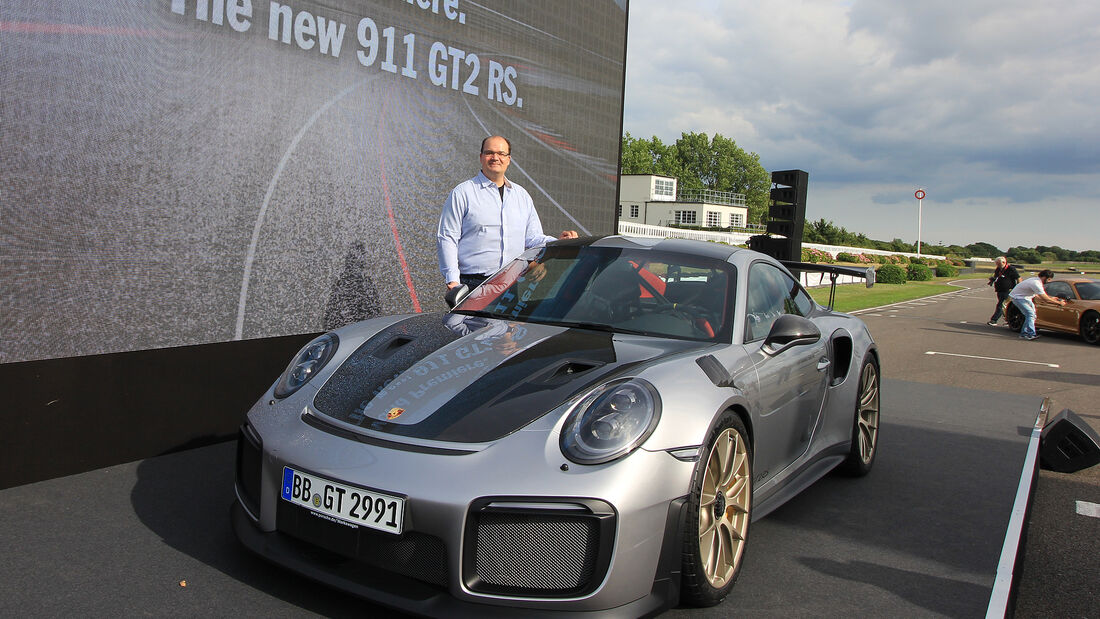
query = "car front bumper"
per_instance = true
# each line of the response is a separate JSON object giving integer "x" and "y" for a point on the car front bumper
{"x": 481, "y": 538}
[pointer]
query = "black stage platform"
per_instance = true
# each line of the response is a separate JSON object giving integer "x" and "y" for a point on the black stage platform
{"x": 923, "y": 535}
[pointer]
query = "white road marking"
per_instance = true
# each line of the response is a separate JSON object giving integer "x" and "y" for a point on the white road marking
{"x": 1092, "y": 510}
{"x": 951, "y": 354}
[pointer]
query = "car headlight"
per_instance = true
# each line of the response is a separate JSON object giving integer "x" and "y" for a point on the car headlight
{"x": 611, "y": 422}
{"x": 306, "y": 364}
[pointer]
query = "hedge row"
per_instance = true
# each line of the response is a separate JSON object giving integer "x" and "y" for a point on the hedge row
{"x": 895, "y": 269}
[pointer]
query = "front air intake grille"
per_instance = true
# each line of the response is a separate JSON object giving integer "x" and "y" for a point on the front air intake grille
{"x": 557, "y": 549}
{"x": 249, "y": 464}
{"x": 413, "y": 554}
{"x": 531, "y": 552}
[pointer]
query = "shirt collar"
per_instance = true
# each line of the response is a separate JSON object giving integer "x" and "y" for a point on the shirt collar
{"x": 484, "y": 181}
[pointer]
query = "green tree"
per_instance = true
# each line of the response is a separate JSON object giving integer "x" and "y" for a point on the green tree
{"x": 1023, "y": 254}
{"x": 984, "y": 250}
{"x": 900, "y": 245}
{"x": 641, "y": 156}
{"x": 825, "y": 232}
{"x": 698, "y": 162}
{"x": 719, "y": 164}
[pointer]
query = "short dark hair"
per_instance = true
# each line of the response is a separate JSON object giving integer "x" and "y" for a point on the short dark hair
{"x": 1046, "y": 274}
{"x": 486, "y": 138}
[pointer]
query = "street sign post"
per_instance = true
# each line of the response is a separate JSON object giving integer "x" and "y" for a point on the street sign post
{"x": 919, "y": 195}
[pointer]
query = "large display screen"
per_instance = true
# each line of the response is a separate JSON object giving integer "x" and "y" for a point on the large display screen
{"x": 176, "y": 172}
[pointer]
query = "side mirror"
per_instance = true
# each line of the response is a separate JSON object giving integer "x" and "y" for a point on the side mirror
{"x": 455, "y": 295}
{"x": 790, "y": 330}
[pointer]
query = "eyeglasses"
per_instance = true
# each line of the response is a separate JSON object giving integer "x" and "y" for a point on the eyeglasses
{"x": 490, "y": 153}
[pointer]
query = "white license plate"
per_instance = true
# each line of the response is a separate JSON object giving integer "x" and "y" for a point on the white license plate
{"x": 353, "y": 505}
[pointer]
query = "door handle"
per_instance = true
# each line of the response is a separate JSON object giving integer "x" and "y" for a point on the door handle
{"x": 823, "y": 364}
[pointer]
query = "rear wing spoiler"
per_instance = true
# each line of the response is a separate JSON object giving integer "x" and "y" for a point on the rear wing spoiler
{"x": 833, "y": 271}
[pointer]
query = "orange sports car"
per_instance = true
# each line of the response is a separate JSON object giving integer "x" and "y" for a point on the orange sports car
{"x": 1081, "y": 315}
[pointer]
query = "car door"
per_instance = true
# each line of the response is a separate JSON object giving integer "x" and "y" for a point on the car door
{"x": 1056, "y": 316}
{"x": 791, "y": 384}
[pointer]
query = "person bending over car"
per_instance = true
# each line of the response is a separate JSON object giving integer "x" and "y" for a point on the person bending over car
{"x": 1022, "y": 296}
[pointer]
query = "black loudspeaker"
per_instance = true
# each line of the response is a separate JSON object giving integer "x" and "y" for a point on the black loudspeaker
{"x": 777, "y": 248}
{"x": 787, "y": 214}
{"x": 1068, "y": 444}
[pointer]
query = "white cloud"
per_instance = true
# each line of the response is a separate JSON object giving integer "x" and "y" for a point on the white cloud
{"x": 985, "y": 103}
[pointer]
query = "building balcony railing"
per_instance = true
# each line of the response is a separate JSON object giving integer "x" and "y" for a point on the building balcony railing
{"x": 708, "y": 196}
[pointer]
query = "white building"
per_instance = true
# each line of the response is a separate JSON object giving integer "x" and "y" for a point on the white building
{"x": 654, "y": 200}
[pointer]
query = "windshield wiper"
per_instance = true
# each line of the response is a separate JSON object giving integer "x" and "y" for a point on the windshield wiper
{"x": 481, "y": 314}
{"x": 595, "y": 326}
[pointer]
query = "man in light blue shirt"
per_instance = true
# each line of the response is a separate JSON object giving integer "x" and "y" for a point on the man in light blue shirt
{"x": 487, "y": 221}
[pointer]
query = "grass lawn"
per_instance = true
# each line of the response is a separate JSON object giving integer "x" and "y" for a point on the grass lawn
{"x": 851, "y": 297}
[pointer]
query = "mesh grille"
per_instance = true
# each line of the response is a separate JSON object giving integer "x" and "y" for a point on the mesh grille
{"x": 249, "y": 454}
{"x": 550, "y": 553}
{"x": 419, "y": 556}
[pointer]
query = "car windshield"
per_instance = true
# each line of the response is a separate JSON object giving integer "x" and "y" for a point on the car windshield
{"x": 612, "y": 289}
{"x": 1089, "y": 291}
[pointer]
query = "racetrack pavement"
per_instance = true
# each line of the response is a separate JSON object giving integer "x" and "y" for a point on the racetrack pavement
{"x": 1062, "y": 554}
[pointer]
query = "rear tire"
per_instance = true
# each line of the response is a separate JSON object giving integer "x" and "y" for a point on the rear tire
{"x": 719, "y": 512}
{"x": 861, "y": 456}
{"x": 1014, "y": 317}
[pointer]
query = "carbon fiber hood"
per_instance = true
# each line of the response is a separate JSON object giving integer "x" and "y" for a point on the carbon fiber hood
{"x": 458, "y": 378}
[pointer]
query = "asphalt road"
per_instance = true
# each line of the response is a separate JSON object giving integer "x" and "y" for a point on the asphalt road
{"x": 944, "y": 340}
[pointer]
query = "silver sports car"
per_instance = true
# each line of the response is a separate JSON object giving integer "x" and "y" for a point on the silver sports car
{"x": 593, "y": 429}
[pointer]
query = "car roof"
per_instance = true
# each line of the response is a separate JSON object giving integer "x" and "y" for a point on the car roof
{"x": 718, "y": 251}
{"x": 1073, "y": 280}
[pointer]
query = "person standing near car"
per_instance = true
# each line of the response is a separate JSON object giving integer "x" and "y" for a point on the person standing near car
{"x": 1023, "y": 294}
{"x": 1005, "y": 277}
{"x": 487, "y": 221}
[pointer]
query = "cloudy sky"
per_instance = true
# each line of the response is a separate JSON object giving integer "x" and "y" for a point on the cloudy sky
{"x": 990, "y": 106}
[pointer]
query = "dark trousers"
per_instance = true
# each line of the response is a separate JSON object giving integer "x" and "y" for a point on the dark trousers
{"x": 1002, "y": 302}
{"x": 472, "y": 281}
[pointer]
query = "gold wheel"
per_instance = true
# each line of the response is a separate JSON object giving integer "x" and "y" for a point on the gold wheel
{"x": 724, "y": 508}
{"x": 866, "y": 426}
{"x": 867, "y": 416}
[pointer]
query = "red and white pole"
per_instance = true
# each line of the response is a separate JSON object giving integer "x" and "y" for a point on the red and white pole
{"x": 919, "y": 195}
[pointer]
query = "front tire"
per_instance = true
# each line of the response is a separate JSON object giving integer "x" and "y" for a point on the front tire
{"x": 719, "y": 512}
{"x": 1090, "y": 327}
{"x": 865, "y": 428}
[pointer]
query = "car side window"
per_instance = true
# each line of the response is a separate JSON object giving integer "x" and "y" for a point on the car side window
{"x": 802, "y": 300}
{"x": 771, "y": 293}
{"x": 1059, "y": 289}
